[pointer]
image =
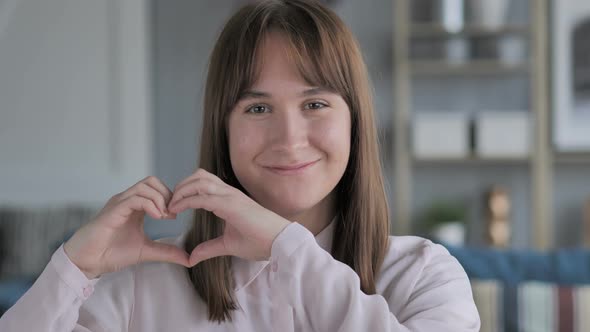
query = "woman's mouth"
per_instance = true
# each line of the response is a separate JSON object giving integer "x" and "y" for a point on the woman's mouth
{"x": 291, "y": 169}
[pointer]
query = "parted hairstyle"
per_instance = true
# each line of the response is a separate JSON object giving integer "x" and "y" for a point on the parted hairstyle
{"x": 327, "y": 55}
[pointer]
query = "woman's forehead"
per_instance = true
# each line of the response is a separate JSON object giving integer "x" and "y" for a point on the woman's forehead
{"x": 274, "y": 58}
{"x": 280, "y": 65}
{"x": 303, "y": 92}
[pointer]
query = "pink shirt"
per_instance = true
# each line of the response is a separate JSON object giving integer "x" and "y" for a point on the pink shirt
{"x": 301, "y": 288}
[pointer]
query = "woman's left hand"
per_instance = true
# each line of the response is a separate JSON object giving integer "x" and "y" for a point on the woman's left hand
{"x": 250, "y": 229}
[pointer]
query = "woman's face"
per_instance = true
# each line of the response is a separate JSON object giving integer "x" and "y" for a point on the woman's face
{"x": 289, "y": 142}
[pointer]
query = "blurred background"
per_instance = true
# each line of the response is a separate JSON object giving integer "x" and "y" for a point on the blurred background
{"x": 483, "y": 113}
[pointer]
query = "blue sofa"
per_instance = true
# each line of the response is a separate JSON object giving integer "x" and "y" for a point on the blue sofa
{"x": 28, "y": 238}
{"x": 527, "y": 290}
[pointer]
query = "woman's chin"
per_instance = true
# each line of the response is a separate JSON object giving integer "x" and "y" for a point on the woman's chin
{"x": 290, "y": 211}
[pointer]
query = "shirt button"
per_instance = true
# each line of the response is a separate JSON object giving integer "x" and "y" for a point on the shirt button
{"x": 87, "y": 291}
{"x": 274, "y": 266}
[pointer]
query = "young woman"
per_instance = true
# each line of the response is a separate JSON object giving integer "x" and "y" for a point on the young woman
{"x": 291, "y": 224}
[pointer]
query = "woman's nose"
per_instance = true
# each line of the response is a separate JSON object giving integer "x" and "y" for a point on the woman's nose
{"x": 290, "y": 129}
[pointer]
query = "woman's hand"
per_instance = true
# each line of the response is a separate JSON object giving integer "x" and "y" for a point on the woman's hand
{"x": 115, "y": 238}
{"x": 250, "y": 229}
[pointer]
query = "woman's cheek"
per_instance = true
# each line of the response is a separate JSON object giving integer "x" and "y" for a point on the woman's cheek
{"x": 244, "y": 137}
{"x": 335, "y": 135}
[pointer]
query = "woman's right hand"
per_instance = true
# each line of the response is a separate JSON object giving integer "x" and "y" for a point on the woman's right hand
{"x": 115, "y": 238}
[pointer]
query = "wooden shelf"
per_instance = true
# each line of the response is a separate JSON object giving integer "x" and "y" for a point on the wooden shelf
{"x": 474, "y": 67}
{"x": 571, "y": 158}
{"x": 470, "y": 161}
{"x": 435, "y": 30}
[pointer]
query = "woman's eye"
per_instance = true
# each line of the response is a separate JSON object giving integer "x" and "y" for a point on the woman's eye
{"x": 258, "y": 109}
{"x": 315, "y": 105}
{"x": 261, "y": 109}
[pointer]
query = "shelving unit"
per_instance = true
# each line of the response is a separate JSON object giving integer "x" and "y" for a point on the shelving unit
{"x": 477, "y": 67}
{"x": 429, "y": 30}
{"x": 405, "y": 70}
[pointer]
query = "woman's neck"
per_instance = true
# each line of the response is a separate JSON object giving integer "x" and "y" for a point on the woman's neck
{"x": 319, "y": 216}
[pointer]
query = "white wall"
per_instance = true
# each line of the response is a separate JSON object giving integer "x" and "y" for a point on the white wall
{"x": 75, "y": 118}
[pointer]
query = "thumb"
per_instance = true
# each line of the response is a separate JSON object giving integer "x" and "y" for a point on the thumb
{"x": 162, "y": 252}
{"x": 208, "y": 249}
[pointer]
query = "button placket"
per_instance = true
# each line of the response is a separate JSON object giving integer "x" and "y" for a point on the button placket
{"x": 87, "y": 291}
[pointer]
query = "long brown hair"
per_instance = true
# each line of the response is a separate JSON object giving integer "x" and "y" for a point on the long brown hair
{"x": 327, "y": 55}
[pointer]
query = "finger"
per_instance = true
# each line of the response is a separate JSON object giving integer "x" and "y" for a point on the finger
{"x": 151, "y": 181}
{"x": 157, "y": 199}
{"x": 125, "y": 193}
{"x": 199, "y": 186}
{"x": 208, "y": 249}
{"x": 145, "y": 190}
{"x": 138, "y": 203}
{"x": 199, "y": 173}
{"x": 208, "y": 202}
{"x": 154, "y": 251}
{"x": 169, "y": 215}
{"x": 157, "y": 184}
{"x": 157, "y": 202}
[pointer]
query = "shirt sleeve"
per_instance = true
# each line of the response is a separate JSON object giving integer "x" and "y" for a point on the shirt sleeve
{"x": 327, "y": 293}
{"x": 64, "y": 299}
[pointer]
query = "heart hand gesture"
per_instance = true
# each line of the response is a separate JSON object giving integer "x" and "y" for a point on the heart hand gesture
{"x": 115, "y": 237}
{"x": 250, "y": 229}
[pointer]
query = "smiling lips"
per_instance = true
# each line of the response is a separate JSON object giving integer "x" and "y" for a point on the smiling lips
{"x": 291, "y": 169}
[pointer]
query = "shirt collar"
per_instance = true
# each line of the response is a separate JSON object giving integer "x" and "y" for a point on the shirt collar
{"x": 245, "y": 271}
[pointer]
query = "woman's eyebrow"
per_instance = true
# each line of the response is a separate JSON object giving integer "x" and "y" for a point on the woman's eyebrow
{"x": 250, "y": 94}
